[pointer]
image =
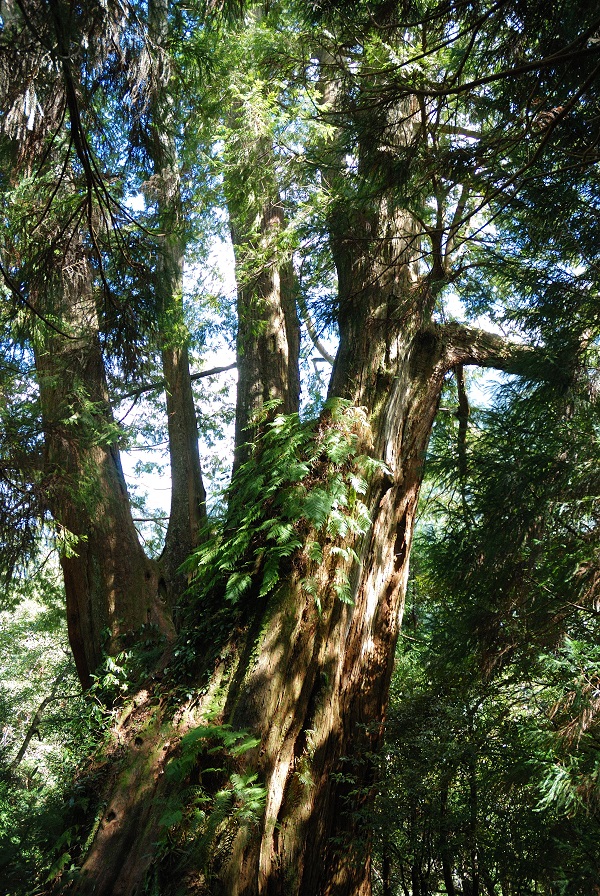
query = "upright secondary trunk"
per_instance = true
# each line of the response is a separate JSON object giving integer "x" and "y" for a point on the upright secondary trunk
{"x": 188, "y": 497}
{"x": 111, "y": 586}
{"x": 268, "y": 338}
{"x": 316, "y": 692}
{"x": 268, "y": 331}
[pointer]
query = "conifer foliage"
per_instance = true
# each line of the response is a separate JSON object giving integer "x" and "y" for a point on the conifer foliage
{"x": 410, "y": 191}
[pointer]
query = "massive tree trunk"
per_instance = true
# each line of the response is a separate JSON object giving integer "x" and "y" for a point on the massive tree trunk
{"x": 306, "y": 675}
{"x": 309, "y": 680}
{"x": 111, "y": 586}
{"x": 303, "y": 672}
{"x": 317, "y": 690}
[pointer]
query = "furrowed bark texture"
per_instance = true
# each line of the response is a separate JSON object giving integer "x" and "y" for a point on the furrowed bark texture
{"x": 310, "y": 684}
{"x": 111, "y": 586}
{"x": 317, "y": 690}
{"x": 268, "y": 335}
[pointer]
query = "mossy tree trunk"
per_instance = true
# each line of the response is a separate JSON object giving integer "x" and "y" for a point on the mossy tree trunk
{"x": 309, "y": 680}
{"x": 268, "y": 337}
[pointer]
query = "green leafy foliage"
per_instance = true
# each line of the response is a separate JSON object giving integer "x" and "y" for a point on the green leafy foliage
{"x": 120, "y": 673}
{"x": 475, "y": 125}
{"x": 222, "y": 797}
{"x": 492, "y": 743}
{"x": 302, "y": 477}
{"x": 48, "y": 729}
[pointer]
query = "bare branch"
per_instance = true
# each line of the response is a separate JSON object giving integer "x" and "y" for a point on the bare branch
{"x": 457, "y": 131}
{"x": 159, "y": 385}
{"x": 35, "y": 722}
{"x": 536, "y": 65}
{"x": 459, "y": 215}
{"x": 312, "y": 332}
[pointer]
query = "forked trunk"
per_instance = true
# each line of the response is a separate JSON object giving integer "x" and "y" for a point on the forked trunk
{"x": 307, "y": 678}
{"x": 311, "y": 684}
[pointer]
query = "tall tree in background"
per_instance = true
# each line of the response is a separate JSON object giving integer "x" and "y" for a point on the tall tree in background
{"x": 433, "y": 127}
{"x": 187, "y": 514}
{"x": 63, "y": 223}
{"x": 268, "y": 337}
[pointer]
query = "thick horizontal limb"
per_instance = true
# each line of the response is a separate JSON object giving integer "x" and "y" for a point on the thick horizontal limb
{"x": 471, "y": 345}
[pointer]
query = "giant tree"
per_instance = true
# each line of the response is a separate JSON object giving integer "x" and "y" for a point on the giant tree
{"x": 421, "y": 128}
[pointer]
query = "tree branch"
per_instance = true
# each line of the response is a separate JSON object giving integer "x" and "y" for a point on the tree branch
{"x": 458, "y": 216}
{"x": 458, "y": 131}
{"x": 507, "y": 74}
{"x": 314, "y": 336}
{"x": 470, "y": 345}
{"x": 161, "y": 384}
{"x": 35, "y": 722}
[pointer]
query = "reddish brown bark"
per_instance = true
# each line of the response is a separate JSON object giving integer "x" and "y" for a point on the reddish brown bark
{"x": 187, "y": 514}
{"x": 268, "y": 333}
{"x": 311, "y": 681}
{"x": 111, "y": 586}
{"x": 268, "y": 338}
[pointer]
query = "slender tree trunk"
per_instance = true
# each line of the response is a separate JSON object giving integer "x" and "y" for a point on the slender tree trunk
{"x": 416, "y": 880}
{"x": 188, "y": 497}
{"x": 268, "y": 338}
{"x": 386, "y": 874}
{"x": 34, "y": 725}
{"x": 473, "y": 817}
{"x": 444, "y": 847}
{"x": 268, "y": 329}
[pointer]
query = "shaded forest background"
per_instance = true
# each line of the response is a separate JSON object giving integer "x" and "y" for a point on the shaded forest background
{"x": 218, "y": 698}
